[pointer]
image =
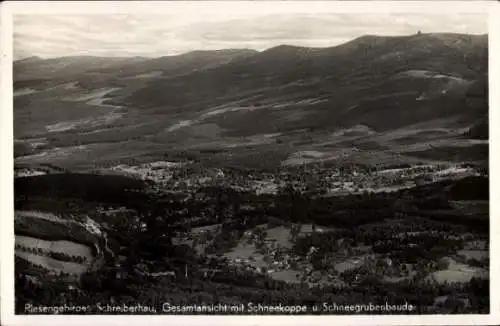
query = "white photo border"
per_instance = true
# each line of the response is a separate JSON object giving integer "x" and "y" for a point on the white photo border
{"x": 9, "y": 9}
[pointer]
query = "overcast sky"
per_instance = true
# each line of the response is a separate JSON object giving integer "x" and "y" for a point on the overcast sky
{"x": 158, "y": 35}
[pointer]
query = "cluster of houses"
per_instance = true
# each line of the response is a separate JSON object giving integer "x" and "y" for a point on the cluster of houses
{"x": 180, "y": 178}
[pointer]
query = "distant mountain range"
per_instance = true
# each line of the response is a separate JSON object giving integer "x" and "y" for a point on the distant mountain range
{"x": 403, "y": 95}
{"x": 73, "y": 67}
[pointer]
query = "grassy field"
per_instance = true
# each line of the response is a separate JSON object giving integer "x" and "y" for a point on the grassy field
{"x": 288, "y": 275}
{"x": 281, "y": 235}
{"x": 243, "y": 251}
{"x": 458, "y": 272}
{"x": 476, "y": 245}
{"x": 53, "y": 265}
{"x": 350, "y": 263}
{"x": 471, "y": 207}
{"x": 54, "y": 235}
{"x": 39, "y": 215}
{"x": 474, "y": 254}
{"x": 148, "y": 141}
{"x": 52, "y": 231}
{"x": 67, "y": 247}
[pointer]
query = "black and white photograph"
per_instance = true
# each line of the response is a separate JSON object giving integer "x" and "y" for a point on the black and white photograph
{"x": 249, "y": 159}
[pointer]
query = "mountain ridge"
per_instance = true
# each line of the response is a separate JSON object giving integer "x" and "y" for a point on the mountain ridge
{"x": 483, "y": 35}
{"x": 236, "y": 100}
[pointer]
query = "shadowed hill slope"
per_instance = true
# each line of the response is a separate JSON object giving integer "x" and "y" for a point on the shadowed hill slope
{"x": 380, "y": 76}
{"x": 418, "y": 90}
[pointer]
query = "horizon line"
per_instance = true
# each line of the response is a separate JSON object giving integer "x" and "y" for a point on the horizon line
{"x": 418, "y": 33}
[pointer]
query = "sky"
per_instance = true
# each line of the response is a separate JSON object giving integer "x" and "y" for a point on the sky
{"x": 150, "y": 35}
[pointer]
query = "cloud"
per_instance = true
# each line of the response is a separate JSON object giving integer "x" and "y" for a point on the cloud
{"x": 168, "y": 34}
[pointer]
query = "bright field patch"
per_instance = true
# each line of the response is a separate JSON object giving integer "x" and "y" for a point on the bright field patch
{"x": 62, "y": 246}
{"x": 460, "y": 273}
{"x": 53, "y": 264}
{"x": 473, "y": 254}
{"x": 242, "y": 253}
{"x": 281, "y": 235}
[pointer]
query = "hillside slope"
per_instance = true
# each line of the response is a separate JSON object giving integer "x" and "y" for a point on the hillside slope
{"x": 405, "y": 97}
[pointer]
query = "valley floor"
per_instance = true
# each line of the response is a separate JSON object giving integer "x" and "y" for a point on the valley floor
{"x": 222, "y": 236}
